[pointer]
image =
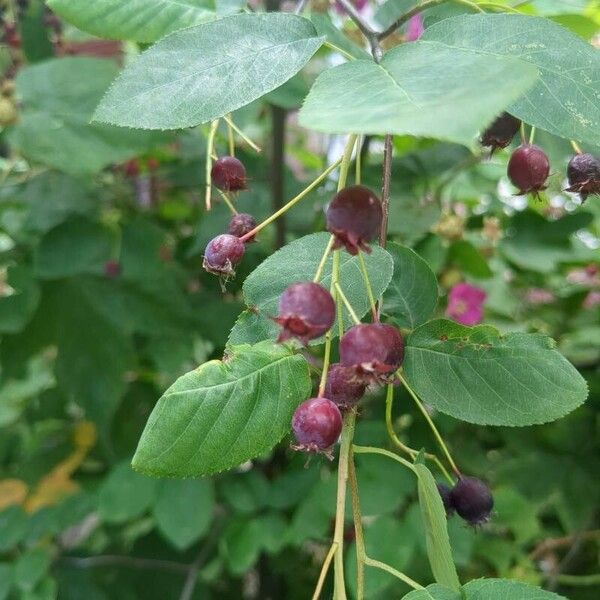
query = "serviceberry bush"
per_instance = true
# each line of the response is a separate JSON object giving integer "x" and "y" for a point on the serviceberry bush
{"x": 340, "y": 416}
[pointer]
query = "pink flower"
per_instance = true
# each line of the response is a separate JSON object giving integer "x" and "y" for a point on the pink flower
{"x": 358, "y": 4}
{"x": 414, "y": 28}
{"x": 591, "y": 300}
{"x": 539, "y": 296}
{"x": 465, "y": 304}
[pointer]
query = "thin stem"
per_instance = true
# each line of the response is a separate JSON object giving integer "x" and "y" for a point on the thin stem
{"x": 372, "y": 450}
{"x": 230, "y": 137}
{"x": 338, "y": 535}
{"x": 385, "y": 188}
{"x": 300, "y": 7}
{"x": 364, "y": 27}
{"x": 228, "y": 202}
{"x": 340, "y": 50}
{"x": 365, "y": 274}
{"x": 578, "y": 580}
{"x": 248, "y": 141}
{"x": 328, "y": 335}
{"x": 210, "y": 142}
{"x": 324, "y": 258}
{"x": 293, "y": 201}
{"x": 523, "y": 134}
{"x": 358, "y": 163}
{"x": 532, "y": 135}
{"x": 432, "y": 426}
{"x": 346, "y": 157}
{"x": 338, "y": 305}
{"x": 347, "y": 304}
{"x": 324, "y": 570}
{"x": 576, "y": 147}
{"x": 358, "y": 530}
{"x": 500, "y": 7}
{"x": 385, "y": 567}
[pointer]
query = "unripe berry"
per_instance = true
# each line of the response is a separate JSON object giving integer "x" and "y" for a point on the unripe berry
{"x": 472, "y": 500}
{"x": 306, "y": 311}
{"x": 222, "y": 254}
{"x": 501, "y": 132}
{"x": 374, "y": 349}
{"x": 344, "y": 386}
{"x": 354, "y": 218}
{"x": 584, "y": 175}
{"x": 528, "y": 168}
{"x": 8, "y": 112}
{"x": 112, "y": 269}
{"x": 241, "y": 224}
{"x": 317, "y": 424}
{"x": 229, "y": 174}
{"x": 446, "y": 496}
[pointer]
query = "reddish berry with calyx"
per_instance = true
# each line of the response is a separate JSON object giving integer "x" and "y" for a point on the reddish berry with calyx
{"x": 354, "y": 218}
{"x": 241, "y": 224}
{"x": 344, "y": 386}
{"x": 584, "y": 175}
{"x": 317, "y": 424}
{"x": 112, "y": 269}
{"x": 528, "y": 169}
{"x": 374, "y": 349}
{"x": 229, "y": 174}
{"x": 446, "y": 496}
{"x": 472, "y": 500}
{"x": 222, "y": 254}
{"x": 306, "y": 312}
{"x": 501, "y": 132}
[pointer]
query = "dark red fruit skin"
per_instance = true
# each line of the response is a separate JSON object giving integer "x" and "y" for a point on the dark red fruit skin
{"x": 374, "y": 349}
{"x": 528, "y": 169}
{"x": 229, "y": 174}
{"x": 472, "y": 500}
{"x": 222, "y": 254}
{"x": 317, "y": 424}
{"x": 583, "y": 172}
{"x": 306, "y": 312}
{"x": 446, "y": 496}
{"x": 354, "y": 217}
{"x": 501, "y": 132}
{"x": 112, "y": 269}
{"x": 241, "y": 224}
{"x": 344, "y": 386}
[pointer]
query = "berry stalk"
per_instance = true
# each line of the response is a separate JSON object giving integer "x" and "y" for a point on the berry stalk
{"x": 246, "y": 139}
{"x": 210, "y": 142}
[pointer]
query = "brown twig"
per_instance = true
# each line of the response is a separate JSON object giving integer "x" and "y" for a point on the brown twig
{"x": 550, "y": 544}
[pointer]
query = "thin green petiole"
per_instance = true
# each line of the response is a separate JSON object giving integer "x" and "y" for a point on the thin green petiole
{"x": 358, "y": 163}
{"x": 248, "y": 141}
{"x": 323, "y": 261}
{"x": 347, "y": 304}
{"x": 372, "y": 450}
{"x": 576, "y": 147}
{"x": 365, "y": 274}
{"x": 228, "y": 202}
{"x": 523, "y": 133}
{"x": 338, "y": 304}
{"x": 385, "y": 567}
{"x": 324, "y": 570}
{"x": 500, "y": 7}
{"x": 346, "y": 162}
{"x": 340, "y": 50}
{"x": 358, "y": 530}
{"x": 532, "y": 135}
{"x": 210, "y": 142}
{"x": 328, "y": 335}
{"x": 230, "y": 137}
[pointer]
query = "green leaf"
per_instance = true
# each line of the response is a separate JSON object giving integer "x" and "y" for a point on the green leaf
{"x": 436, "y": 530}
{"x": 125, "y": 495}
{"x": 434, "y": 592}
{"x": 30, "y": 567}
{"x": 325, "y": 27}
{"x": 394, "y": 97}
{"x": 502, "y": 589}
{"x": 58, "y": 98}
{"x": 35, "y": 41}
{"x": 18, "y": 307}
{"x": 566, "y": 99}
{"x": 224, "y": 413}
{"x": 480, "y": 376}
{"x": 298, "y": 261}
{"x": 206, "y": 71}
{"x": 137, "y": 20}
{"x": 468, "y": 259}
{"x": 13, "y": 527}
{"x": 412, "y": 295}
{"x": 241, "y": 545}
{"x": 184, "y": 510}
{"x": 6, "y": 577}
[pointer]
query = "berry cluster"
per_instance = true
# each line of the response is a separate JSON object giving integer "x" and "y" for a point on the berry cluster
{"x": 470, "y": 498}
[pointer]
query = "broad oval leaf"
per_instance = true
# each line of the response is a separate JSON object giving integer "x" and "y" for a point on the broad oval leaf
{"x": 198, "y": 74}
{"x": 412, "y": 295}
{"x": 480, "y": 376}
{"x": 298, "y": 261}
{"x": 420, "y": 89}
{"x": 566, "y": 98}
{"x": 224, "y": 412}
{"x": 433, "y": 592}
{"x": 137, "y": 20}
{"x": 502, "y": 589}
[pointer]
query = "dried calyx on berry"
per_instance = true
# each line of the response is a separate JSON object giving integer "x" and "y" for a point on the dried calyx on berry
{"x": 446, "y": 496}
{"x": 528, "y": 169}
{"x": 222, "y": 254}
{"x": 241, "y": 224}
{"x": 374, "y": 350}
{"x": 583, "y": 172}
{"x": 501, "y": 132}
{"x": 306, "y": 312}
{"x": 354, "y": 218}
{"x": 229, "y": 174}
{"x": 472, "y": 500}
{"x": 317, "y": 424}
{"x": 344, "y": 386}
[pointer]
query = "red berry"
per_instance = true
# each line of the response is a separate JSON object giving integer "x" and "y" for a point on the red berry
{"x": 584, "y": 175}
{"x": 222, "y": 254}
{"x": 528, "y": 168}
{"x": 344, "y": 386}
{"x": 446, "y": 496}
{"x": 354, "y": 217}
{"x": 472, "y": 500}
{"x": 306, "y": 311}
{"x": 501, "y": 132}
{"x": 229, "y": 174}
{"x": 317, "y": 424}
{"x": 112, "y": 269}
{"x": 374, "y": 349}
{"x": 241, "y": 224}
{"x": 132, "y": 168}
{"x": 153, "y": 164}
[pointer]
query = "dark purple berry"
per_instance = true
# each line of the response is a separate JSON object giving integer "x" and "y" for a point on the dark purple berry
{"x": 222, "y": 254}
{"x": 306, "y": 311}
{"x": 584, "y": 175}
{"x": 112, "y": 269}
{"x": 229, "y": 174}
{"x": 344, "y": 386}
{"x": 317, "y": 424}
{"x": 446, "y": 496}
{"x": 374, "y": 349}
{"x": 501, "y": 132}
{"x": 528, "y": 169}
{"x": 472, "y": 500}
{"x": 354, "y": 217}
{"x": 241, "y": 224}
